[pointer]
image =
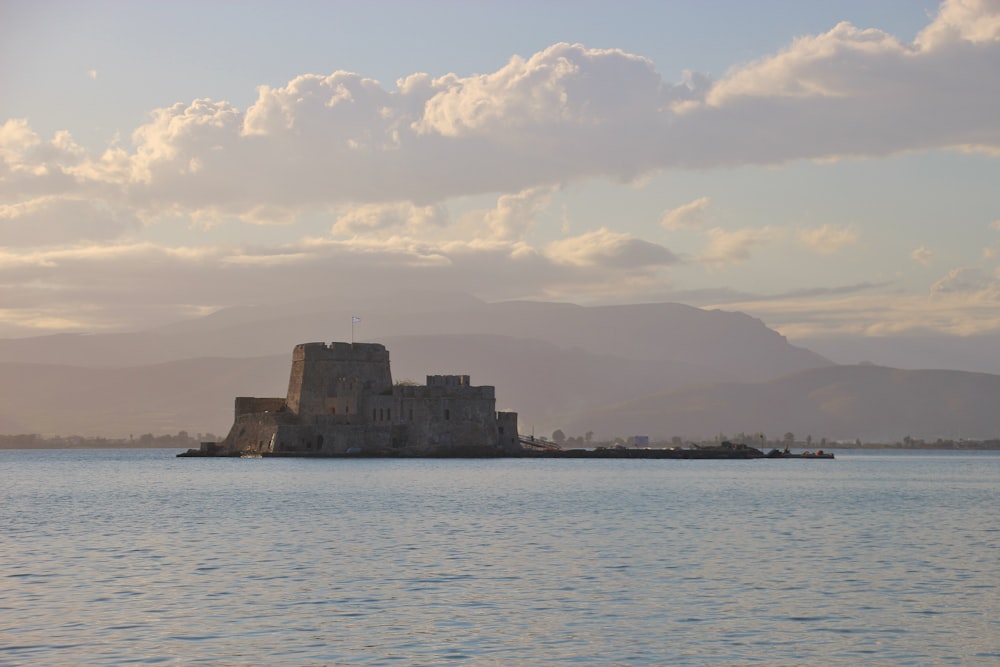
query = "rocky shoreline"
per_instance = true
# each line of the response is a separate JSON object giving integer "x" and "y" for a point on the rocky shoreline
{"x": 725, "y": 450}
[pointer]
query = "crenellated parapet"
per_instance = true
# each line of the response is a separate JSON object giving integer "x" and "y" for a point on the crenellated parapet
{"x": 448, "y": 381}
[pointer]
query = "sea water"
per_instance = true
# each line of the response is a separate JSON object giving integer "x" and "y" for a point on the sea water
{"x": 113, "y": 557}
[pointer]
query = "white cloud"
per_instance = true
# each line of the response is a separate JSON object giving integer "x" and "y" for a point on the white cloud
{"x": 690, "y": 215}
{"x": 164, "y": 284}
{"x": 342, "y": 110}
{"x": 828, "y": 239}
{"x": 862, "y": 92}
{"x": 835, "y": 64}
{"x": 266, "y": 260}
{"x": 964, "y": 303}
{"x": 389, "y": 161}
{"x": 31, "y": 168}
{"x": 974, "y": 21}
{"x": 606, "y": 249}
{"x": 15, "y": 138}
{"x": 515, "y": 214}
{"x": 922, "y": 255}
{"x": 561, "y": 115}
{"x": 392, "y": 218}
{"x": 511, "y": 219}
{"x": 965, "y": 280}
{"x": 730, "y": 247}
{"x": 555, "y": 97}
{"x": 59, "y": 221}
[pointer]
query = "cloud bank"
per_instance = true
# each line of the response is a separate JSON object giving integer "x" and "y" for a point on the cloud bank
{"x": 564, "y": 114}
{"x": 382, "y": 163}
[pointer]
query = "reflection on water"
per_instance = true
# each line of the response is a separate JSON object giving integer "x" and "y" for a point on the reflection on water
{"x": 115, "y": 557}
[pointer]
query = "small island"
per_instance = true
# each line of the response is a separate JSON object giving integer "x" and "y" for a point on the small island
{"x": 342, "y": 401}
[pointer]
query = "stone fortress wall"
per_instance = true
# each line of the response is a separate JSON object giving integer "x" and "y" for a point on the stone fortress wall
{"x": 341, "y": 400}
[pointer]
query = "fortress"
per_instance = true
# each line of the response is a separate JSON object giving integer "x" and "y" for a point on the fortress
{"x": 341, "y": 400}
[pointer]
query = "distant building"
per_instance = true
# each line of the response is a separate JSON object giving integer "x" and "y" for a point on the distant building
{"x": 341, "y": 400}
{"x": 640, "y": 440}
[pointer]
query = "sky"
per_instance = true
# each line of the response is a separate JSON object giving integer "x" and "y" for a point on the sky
{"x": 830, "y": 168}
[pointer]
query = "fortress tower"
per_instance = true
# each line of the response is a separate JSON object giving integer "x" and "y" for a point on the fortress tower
{"x": 335, "y": 378}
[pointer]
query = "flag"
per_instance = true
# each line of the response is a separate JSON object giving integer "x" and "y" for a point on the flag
{"x": 355, "y": 319}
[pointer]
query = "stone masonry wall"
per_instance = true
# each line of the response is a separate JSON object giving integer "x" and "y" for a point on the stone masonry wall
{"x": 448, "y": 414}
{"x": 319, "y": 371}
{"x": 252, "y": 432}
{"x": 251, "y": 404}
{"x": 328, "y": 437}
{"x": 508, "y": 437}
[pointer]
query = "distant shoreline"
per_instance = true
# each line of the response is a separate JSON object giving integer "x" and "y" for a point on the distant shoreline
{"x": 146, "y": 441}
{"x": 8, "y": 442}
{"x": 109, "y": 445}
{"x": 185, "y": 440}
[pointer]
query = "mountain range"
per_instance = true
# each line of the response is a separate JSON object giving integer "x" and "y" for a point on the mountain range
{"x": 660, "y": 369}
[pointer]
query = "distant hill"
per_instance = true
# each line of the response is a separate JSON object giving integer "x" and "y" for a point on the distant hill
{"x": 551, "y": 362}
{"x": 734, "y": 344}
{"x": 975, "y": 353}
{"x": 546, "y": 384}
{"x": 192, "y": 395}
{"x": 840, "y": 403}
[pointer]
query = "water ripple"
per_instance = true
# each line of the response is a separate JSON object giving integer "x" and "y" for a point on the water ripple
{"x": 140, "y": 558}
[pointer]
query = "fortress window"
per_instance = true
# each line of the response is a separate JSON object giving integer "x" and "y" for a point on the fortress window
{"x": 388, "y": 414}
{"x": 411, "y": 414}
{"x": 381, "y": 414}
{"x": 374, "y": 413}
{"x": 447, "y": 413}
{"x": 333, "y": 410}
